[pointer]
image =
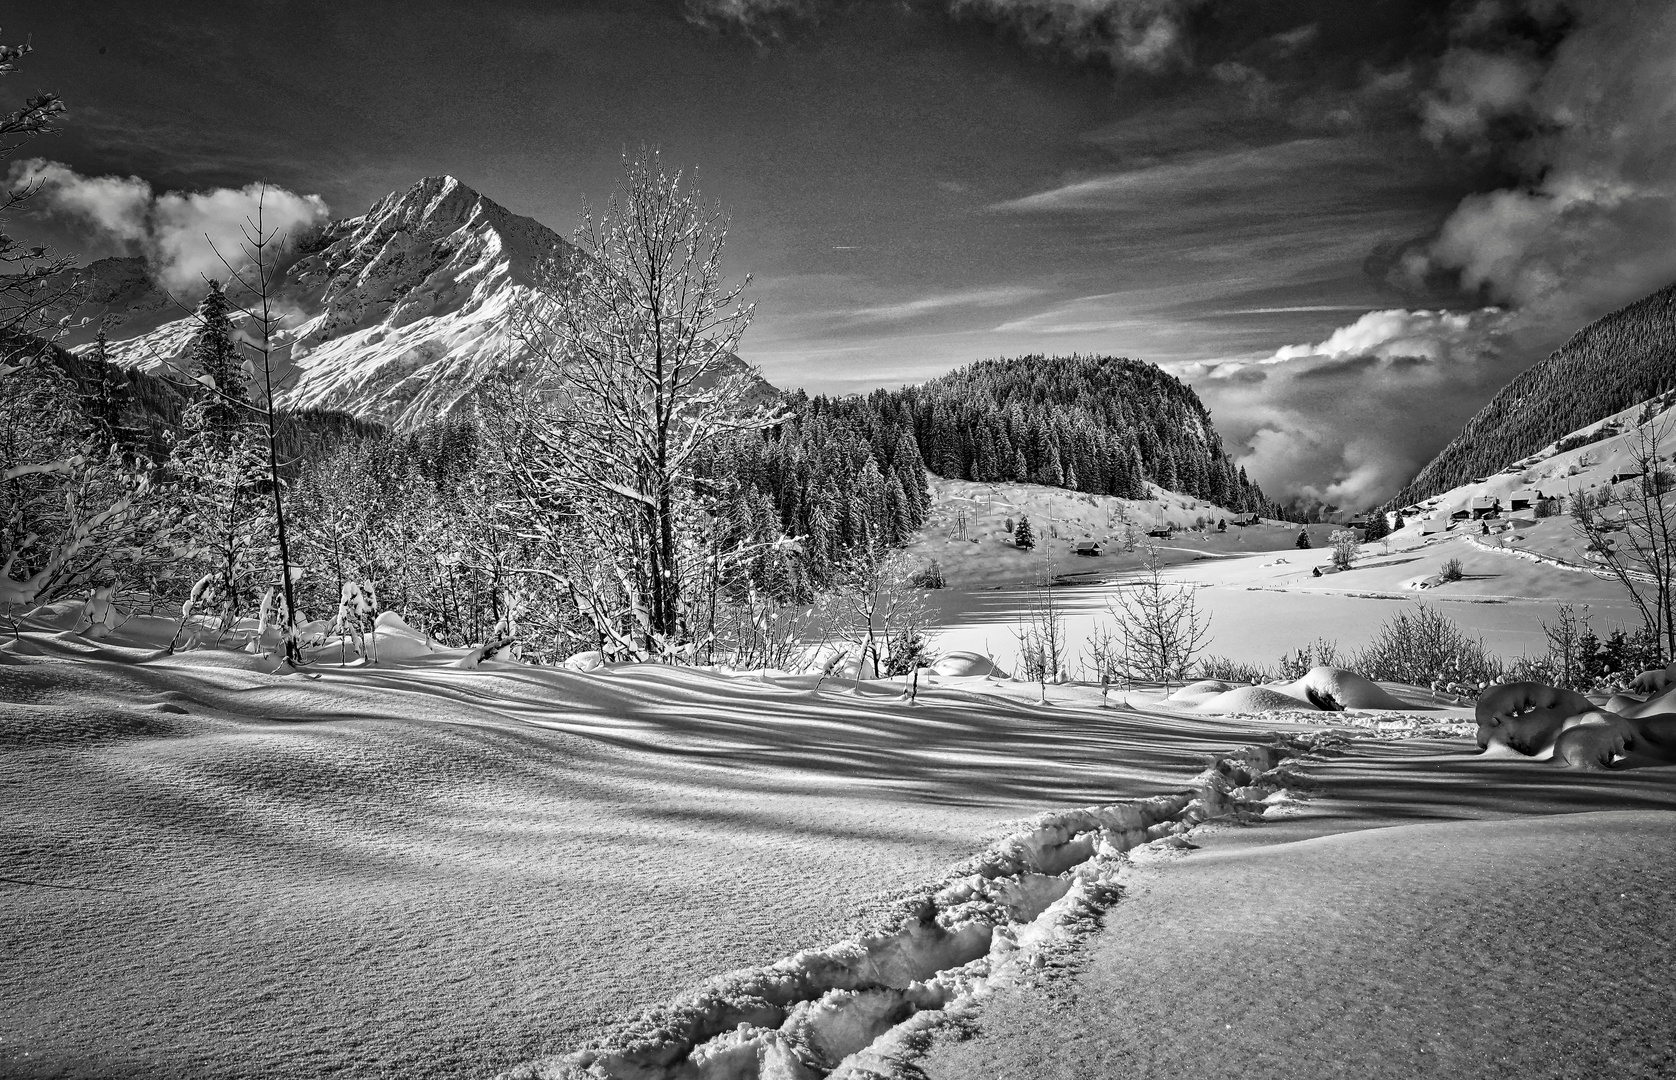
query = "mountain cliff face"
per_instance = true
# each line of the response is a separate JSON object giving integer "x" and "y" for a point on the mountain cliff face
{"x": 415, "y": 301}
{"x": 396, "y": 315}
{"x": 1617, "y": 361}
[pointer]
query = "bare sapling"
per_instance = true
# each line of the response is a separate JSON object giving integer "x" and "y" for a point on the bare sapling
{"x": 1160, "y": 630}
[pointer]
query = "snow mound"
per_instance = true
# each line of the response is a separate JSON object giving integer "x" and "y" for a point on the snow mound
{"x": 1198, "y": 691}
{"x": 62, "y": 615}
{"x": 1252, "y": 699}
{"x": 1326, "y": 689}
{"x": 1326, "y": 685}
{"x": 854, "y": 1009}
{"x": 960, "y": 663}
{"x": 399, "y": 641}
{"x": 1535, "y": 720}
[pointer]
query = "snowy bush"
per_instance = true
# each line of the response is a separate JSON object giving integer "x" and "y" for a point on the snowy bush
{"x": 1223, "y": 669}
{"x": 76, "y": 514}
{"x": 1426, "y": 648}
{"x": 1318, "y": 653}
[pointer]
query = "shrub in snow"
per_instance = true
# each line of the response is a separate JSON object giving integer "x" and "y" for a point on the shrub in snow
{"x": 871, "y": 605}
{"x": 499, "y": 643}
{"x": 1224, "y": 669}
{"x": 202, "y": 596}
{"x": 931, "y": 577}
{"x": 1426, "y": 648}
{"x": 907, "y": 652}
{"x": 1319, "y": 653}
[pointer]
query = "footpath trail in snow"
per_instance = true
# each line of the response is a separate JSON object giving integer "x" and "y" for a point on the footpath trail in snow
{"x": 1425, "y": 913}
{"x": 418, "y": 870}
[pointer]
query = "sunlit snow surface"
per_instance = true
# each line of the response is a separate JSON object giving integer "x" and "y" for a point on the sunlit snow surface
{"x": 213, "y": 870}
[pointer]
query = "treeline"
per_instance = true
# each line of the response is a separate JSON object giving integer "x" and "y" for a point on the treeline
{"x": 1610, "y": 365}
{"x": 839, "y": 475}
{"x": 431, "y": 516}
{"x": 139, "y": 411}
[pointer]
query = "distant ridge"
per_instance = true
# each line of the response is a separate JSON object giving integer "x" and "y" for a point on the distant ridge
{"x": 1611, "y": 364}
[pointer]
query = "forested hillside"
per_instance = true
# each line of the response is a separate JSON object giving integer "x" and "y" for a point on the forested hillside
{"x": 1611, "y": 364}
{"x": 848, "y": 473}
{"x": 843, "y": 474}
{"x": 1099, "y": 424}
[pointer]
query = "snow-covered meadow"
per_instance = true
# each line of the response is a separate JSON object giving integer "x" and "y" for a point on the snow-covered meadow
{"x": 1258, "y": 589}
{"x": 416, "y": 869}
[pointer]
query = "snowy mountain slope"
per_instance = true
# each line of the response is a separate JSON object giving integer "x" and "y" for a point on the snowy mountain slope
{"x": 395, "y": 315}
{"x": 1591, "y": 460}
{"x": 1609, "y": 365}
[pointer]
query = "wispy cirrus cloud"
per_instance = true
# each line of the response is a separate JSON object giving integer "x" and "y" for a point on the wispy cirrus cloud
{"x": 1246, "y": 177}
{"x": 936, "y": 303}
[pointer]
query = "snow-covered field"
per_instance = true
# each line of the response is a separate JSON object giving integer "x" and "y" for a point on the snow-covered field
{"x": 420, "y": 870}
{"x": 1258, "y": 588}
{"x": 416, "y": 869}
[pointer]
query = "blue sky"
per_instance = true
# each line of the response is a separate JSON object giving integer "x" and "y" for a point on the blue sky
{"x": 1346, "y": 224}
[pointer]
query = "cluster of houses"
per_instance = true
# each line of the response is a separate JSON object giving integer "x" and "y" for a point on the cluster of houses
{"x": 1478, "y": 508}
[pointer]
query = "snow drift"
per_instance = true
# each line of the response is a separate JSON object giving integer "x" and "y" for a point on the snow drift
{"x": 1325, "y": 689}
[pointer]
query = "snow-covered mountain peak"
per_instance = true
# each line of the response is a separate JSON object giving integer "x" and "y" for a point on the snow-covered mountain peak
{"x": 398, "y": 314}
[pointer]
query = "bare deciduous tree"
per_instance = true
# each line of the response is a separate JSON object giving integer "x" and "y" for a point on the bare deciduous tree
{"x": 630, "y": 338}
{"x": 75, "y": 512}
{"x": 1041, "y": 635}
{"x": 1346, "y": 547}
{"x": 31, "y": 285}
{"x": 1640, "y": 511}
